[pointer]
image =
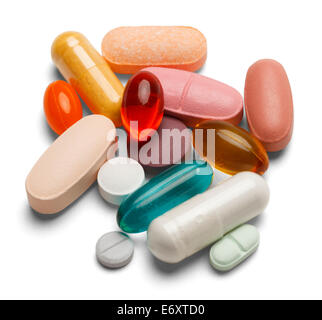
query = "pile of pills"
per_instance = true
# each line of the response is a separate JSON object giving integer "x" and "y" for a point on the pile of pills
{"x": 173, "y": 118}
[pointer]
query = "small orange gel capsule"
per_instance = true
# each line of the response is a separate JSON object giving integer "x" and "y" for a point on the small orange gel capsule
{"x": 62, "y": 106}
{"x": 229, "y": 148}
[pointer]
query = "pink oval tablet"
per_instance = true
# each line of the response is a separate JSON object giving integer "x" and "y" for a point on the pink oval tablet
{"x": 194, "y": 98}
{"x": 170, "y": 145}
{"x": 70, "y": 165}
{"x": 269, "y": 104}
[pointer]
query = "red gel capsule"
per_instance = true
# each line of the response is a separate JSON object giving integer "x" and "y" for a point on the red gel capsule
{"x": 142, "y": 105}
{"x": 62, "y": 106}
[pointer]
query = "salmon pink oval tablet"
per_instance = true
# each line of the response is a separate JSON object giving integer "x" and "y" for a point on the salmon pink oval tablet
{"x": 142, "y": 105}
{"x": 130, "y": 49}
{"x": 269, "y": 104}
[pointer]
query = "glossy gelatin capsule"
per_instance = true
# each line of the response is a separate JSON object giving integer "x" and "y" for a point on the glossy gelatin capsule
{"x": 229, "y": 148}
{"x": 142, "y": 106}
{"x": 89, "y": 74}
{"x": 62, "y": 106}
{"x": 162, "y": 193}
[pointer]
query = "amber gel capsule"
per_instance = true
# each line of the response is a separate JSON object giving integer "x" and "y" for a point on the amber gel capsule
{"x": 90, "y": 75}
{"x": 229, "y": 148}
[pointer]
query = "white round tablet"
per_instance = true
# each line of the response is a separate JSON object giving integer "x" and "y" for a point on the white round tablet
{"x": 118, "y": 178}
{"x": 114, "y": 250}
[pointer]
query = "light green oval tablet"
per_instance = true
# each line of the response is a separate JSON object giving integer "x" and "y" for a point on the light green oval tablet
{"x": 234, "y": 247}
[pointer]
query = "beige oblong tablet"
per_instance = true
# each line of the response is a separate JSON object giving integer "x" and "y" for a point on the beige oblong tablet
{"x": 129, "y": 49}
{"x": 70, "y": 165}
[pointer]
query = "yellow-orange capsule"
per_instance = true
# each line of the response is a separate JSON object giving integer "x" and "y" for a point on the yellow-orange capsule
{"x": 90, "y": 75}
{"x": 229, "y": 148}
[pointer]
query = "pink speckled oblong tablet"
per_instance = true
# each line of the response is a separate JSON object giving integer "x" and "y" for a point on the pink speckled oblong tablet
{"x": 70, "y": 164}
{"x": 269, "y": 104}
{"x": 170, "y": 145}
{"x": 194, "y": 98}
{"x": 129, "y": 49}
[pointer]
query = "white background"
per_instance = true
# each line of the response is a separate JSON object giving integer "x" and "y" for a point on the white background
{"x": 55, "y": 258}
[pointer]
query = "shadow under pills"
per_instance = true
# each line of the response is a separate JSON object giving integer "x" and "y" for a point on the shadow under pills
{"x": 46, "y": 128}
{"x": 277, "y": 154}
{"x": 55, "y": 74}
{"x": 169, "y": 268}
{"x": 244, "y": 124}
{"x": 124, "y": 78}
{"x": 231, "y": 272}
{"x": 40, "y": 217}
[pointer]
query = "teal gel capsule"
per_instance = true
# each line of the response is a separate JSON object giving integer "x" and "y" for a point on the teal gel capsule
{"x": 162, "y": 193}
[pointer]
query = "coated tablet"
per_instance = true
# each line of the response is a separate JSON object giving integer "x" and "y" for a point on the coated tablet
{"x": 235, "y": 247}
{"x": 193, "y": 98}
{"x": 173, "y": 143}
{"x": 70, "y": 165}
{"x": 129, "y": 49}
{"x": 114, "y": 250}
{"x": 269, "y": 104}
{"x": 118, "y": 178}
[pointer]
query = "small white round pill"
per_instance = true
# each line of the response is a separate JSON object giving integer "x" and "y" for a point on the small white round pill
{"x": 118, "y": 178}
{"x": 114, "y": 250}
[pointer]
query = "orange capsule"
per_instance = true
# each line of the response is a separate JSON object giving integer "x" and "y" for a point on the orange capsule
{"x": 229, "y": 148}
{"x": 62, "y": 106}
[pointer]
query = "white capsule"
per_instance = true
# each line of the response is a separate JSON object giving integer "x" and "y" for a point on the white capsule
{"x": 205, "y": 218}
